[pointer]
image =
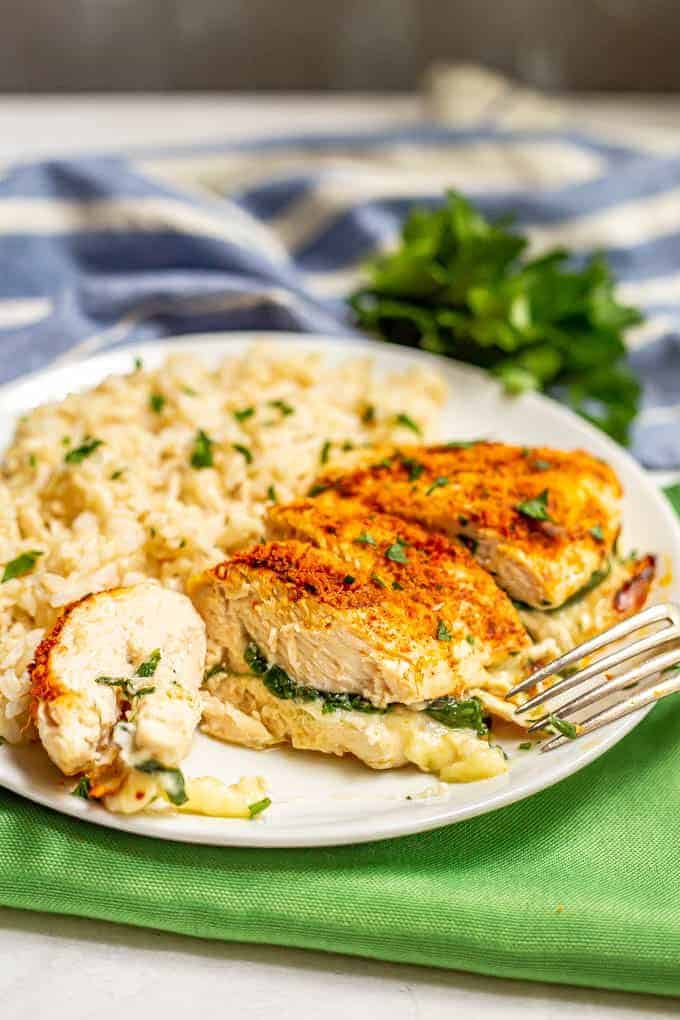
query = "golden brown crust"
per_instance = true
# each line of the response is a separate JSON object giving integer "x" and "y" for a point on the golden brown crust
{"x": 486, "y": 483}
{"x": 436, "y": 571}
{"x": 43, "y": 685}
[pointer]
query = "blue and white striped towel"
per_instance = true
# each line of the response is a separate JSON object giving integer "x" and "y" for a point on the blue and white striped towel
{"x": 99, "y": 252}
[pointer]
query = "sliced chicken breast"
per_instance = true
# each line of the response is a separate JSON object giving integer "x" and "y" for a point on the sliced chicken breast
{"x": 381, "y": 740}
{"x": 403, "y": 554}
{"x": 134, "y": 654}
{"x": 542, "y": 521}
{"x": 338, "y": 628}
{"x": 623, "y": 590}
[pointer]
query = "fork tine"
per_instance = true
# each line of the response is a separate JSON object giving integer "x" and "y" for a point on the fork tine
{"x": 653, "y": 614}
{"x": 601, "y": 665}
{"x": 632, "y": 702}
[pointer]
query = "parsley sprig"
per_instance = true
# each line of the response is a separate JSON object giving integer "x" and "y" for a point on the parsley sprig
{"x": 459, "y": 285}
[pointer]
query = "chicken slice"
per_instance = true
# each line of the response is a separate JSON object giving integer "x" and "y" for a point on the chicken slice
{"x": 403, "y": 554}
{"x": 623, "y": 590}
{"x": 134, "y": 654}
{"x": 543, "y": 521}
{"x": 382, "y": 741}
{"x": 342, "y": 630}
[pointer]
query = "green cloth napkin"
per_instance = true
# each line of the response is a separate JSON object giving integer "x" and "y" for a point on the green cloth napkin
{"x": 579, "y": 884}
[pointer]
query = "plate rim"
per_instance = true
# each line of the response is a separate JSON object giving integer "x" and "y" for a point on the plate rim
{"x": 428, "y": 816}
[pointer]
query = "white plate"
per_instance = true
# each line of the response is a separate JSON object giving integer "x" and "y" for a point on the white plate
{"x": 318, "y": 800}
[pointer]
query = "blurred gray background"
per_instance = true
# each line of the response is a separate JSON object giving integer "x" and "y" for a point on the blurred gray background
{"x": 128, "y": 45}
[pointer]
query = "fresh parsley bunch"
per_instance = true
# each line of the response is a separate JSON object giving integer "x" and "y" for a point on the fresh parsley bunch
{"x": 458, "y": 285}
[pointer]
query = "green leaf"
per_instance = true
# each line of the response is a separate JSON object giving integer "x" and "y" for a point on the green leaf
{"x": 202, "y": 455}
{"x": 23, "y": 564}
{"x": 536, "y": 508}
{"x": 79, "y": 453}
{"x": 156, "y": 402}
{"x": 597, "y": 533}
{"x": 244, "y": 451}
{"x": 566, "y": 729}
{"x": 408, "y": 423}
{"x": 459, "y": 285}
{"x": 82, "y": 788}
{"x": 364, "y": 539}
{"x": 457, "y": 714}
{"x": 271, "y": 494}
{"x": 244, "y": 414}
{"x": 283, "y": 406}
{"x": 396, "y": 552}
{"x": 148, "y": 667}
{"x": 325, "y": 452}
{"x": 258, "y": 807}
{"x": 438, "y": 483}
{"x": 171, "y": 780}
{"x": 443, "y": 632}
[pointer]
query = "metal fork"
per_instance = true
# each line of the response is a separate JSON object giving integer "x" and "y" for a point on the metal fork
{"x": 601, "y": 684}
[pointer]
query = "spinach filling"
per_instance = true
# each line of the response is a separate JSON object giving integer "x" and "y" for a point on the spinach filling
{"x": 448, "y": 711}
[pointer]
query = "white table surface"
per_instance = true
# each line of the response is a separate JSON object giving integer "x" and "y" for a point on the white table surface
{"x": 59, "y": 968}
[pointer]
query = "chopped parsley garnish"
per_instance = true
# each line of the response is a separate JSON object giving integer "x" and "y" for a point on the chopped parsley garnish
{"x": 438, "y": 483}
{"x": 171, "y": 780}
{"x": 138, "y": 364}
{"x": 463, "y": 444}
{"x": 364, "y": 539}
{"x": 396, "y": 586}
{"x": 189, "y": 392}
{"x": 148, "y": 667}
{"x": 459, "y": 714}
{"x": 443, "y": 632}
{"x": 258, "y": 807}
{"x": 202, "y": 453}
{"x": 597, "y": 533}
{"x": 82, "y": 789}
{"x": 461, "y": 285}
{"x": 348, "y": 579}
{"x": 414, "y": 468}
{"x": 144, "y": 670}
{"x": 470, "y": 639}
{"x": 283, "y": 406}
{"x": 244, "y": 451}
{"x": 325, "y": 452}
{"x": 347, "y": 445}
{"x": 65, "y": 440}
{"x": 156, "y": 402}
{"x": 117, "y": 474}
{"x": 271, "y": 494}
{"x": 378, "y": 581}
{"x": 79, "y": 453}
{"x": 536, "y": 508}
{"x": 318, "y": 488}
{"x": 397, "y": 552}
{"x": 213, "y": 671}
{"x": 368, "y": 415}
{"x": 408, "y": 423}
{"x": 566, "y": 729}
{"x": 244, "y": 414}
{"x": 541, "y": 465}
{"x": 125, "y": 685}
{"x": 23, "y": 564}
{"x": 32, "y": 460}
{"x": 525, "y": 746}
{"x": 462, "y": 520}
